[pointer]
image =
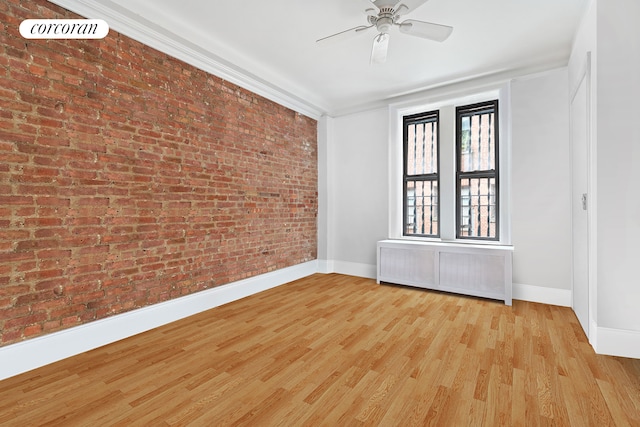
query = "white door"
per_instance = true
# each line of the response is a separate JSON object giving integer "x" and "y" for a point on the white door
{"x": 579, "y": 201}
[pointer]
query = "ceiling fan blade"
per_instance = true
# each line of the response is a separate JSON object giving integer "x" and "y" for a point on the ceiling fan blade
{"x": 380, "y": 3}
{"x": 406, "y": 6}
{"x": 380, "y": 47}
{"x": 426, "y": 30}
{"x": 344, "y": 34}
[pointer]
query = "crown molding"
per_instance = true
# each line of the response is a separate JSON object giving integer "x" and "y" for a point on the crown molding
{"x": 138, "y": 28}
{"x": 455, "y": 87}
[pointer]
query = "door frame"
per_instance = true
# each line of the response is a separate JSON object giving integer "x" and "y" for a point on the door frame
{"x": 584, "y": 77}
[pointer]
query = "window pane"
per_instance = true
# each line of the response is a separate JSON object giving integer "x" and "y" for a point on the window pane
{"x": 420, "y": 137}
{"x": 477, "y": 144}
{"x": 422, "y": 148}
{"x": 421, "y": 208}
{"x": 477, "y": 170}
{"x": 477, "y": 207}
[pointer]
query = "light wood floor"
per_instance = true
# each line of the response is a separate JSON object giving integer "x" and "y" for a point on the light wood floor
{"x": 333, "y": 350}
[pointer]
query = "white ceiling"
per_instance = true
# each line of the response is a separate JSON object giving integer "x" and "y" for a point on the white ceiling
{"x": 275, "y": 42}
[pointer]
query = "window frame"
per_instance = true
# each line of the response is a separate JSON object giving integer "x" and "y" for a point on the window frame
{"x": 423, "y": 117}
{"x": 446, "y": 102}
{"x": 493, "y": 214}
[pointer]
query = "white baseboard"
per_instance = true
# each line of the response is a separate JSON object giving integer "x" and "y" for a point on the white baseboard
{"x": 605, "y": 341}
{"x": 36, "y": 352}
{"x": 544, "y": 295}
{"x": 552, "y": 296}
{"x": 325, "y": 266}
{"x": 615, "y": 342}
{"x": 354, "y": 269}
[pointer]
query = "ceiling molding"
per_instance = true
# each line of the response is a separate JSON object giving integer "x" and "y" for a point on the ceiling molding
{"x": 150, "y": 34}
{"x": 454, "y": 87}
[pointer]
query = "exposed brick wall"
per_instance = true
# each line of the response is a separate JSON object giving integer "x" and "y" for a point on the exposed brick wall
{"x": 128, "y": 177}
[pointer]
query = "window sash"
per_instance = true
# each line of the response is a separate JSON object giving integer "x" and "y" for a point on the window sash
{"x": 421, "y": 161}
{"x": 421, "y": 207}
{"x": 477, "y": 177}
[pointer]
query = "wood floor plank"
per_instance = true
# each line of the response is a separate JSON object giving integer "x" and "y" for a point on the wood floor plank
{"x": 339, "y": 350}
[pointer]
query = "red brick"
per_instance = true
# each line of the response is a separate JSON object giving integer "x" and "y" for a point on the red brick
{"x": 128, "y": 189}
{"x": 51, "y": 326}
{"x": 9, "y": 336}
{"x": 23, "y": 321}
{"x": 32, "y": 330}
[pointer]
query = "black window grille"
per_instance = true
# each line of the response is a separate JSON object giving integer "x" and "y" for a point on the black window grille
{"x": 420, "y": 176}
{"x": 477, "y": 171}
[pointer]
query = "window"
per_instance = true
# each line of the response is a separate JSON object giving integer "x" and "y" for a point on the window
{"x": 445, "y": 168}
{"x": 477, "y": 171}
{"x": 420, "y": 176}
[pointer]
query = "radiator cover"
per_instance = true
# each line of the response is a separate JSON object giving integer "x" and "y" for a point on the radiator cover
{"x": 478, "y": 270}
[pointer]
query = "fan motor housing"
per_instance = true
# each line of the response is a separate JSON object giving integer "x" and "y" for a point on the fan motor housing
{"x": 385, "y": 19}
{"x": 384, "y": 24}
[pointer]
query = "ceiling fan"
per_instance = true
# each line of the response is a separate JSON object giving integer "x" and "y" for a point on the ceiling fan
{"x": 385, "y": 15}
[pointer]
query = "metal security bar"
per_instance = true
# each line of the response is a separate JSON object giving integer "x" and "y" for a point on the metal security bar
{"x": 422, "y": 208}
{"x": 478, "y": 209}
{"x": 420, "y": 177}
{"x": 477, "y": 171}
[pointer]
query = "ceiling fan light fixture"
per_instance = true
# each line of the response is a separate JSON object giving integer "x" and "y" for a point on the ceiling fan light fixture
{"x": 385, "y": 15}
{"x": 384, "y": 24}
{"x": 379, "y": 49}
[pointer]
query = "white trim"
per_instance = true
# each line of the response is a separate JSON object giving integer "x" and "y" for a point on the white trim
{"x": 616, "y": 342}
{"x": 592, "y": 190}
{"x": 542, "y": 294}
{"x": 144, "y": 31}
{"x": 522, "y": 292}
{"x": 325, "y": 213}
{"x": 593, "y": 334}
{"x": 354, "y": 269}
{"x": 605, "y": 341}
{"x": 36, "y": 352}
{"x": 592, "y": 229}
{"x": 325, "y": 266}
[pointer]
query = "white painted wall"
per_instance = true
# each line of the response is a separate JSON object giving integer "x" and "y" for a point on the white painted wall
{"x": 583, "y": 42}
{"x": 618, "y": 157}
{"x": 541, "y": 179}
{"x": 610, "y": 32}
{"x": 357, "y": 170}
{"x": 325, "y": 132}
{"x": 358, "y": 190}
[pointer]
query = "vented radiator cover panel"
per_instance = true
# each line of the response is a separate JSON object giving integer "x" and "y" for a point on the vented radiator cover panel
{"x": 483, "y": 271}
{"x": 408, "y": 266}
{"x": 472, "y": 271}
